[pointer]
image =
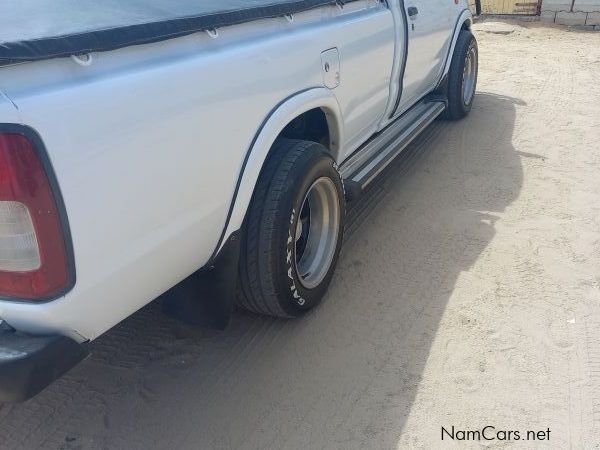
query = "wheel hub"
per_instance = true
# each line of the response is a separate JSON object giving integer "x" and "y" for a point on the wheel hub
{"x": 317, "y": 232}
{"x": 469, "y": 76}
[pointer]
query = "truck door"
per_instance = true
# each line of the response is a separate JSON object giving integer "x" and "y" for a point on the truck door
{"x": 430, "y": 27}
{"x": 366, "y": 52}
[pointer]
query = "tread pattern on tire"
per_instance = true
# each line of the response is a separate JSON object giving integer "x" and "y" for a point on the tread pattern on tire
{"x": 455, "y": 109}
{"x": 257, "y": 293}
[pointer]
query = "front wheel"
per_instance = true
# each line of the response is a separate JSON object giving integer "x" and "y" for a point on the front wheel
{"x": 462, "y": 77}
{"x": 293, "y": 232}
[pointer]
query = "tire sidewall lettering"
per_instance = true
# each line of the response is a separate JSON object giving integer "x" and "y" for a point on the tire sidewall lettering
{"x": 300, "y": 296}
{"x": 290, "y": 259}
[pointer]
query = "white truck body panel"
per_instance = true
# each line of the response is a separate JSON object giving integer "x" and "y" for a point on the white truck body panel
{"x": 157, "y": 148}
{"x": 430, "y": 34}
{"x": 8, "y": 111}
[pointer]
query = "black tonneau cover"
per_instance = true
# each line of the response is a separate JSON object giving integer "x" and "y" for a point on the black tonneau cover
{"x": 40, "y": 29}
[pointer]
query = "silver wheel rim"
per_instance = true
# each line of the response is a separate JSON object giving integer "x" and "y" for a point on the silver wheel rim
{"x": 317, "y": 231}
{"x": 469, "y": 75}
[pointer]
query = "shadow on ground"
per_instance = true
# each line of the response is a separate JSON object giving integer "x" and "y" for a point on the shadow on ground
{"x": 343, "y": 377}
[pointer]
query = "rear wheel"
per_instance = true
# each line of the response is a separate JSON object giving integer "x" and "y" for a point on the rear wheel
{"x": 293, "y": 232}
{"x": 462, "y": 77}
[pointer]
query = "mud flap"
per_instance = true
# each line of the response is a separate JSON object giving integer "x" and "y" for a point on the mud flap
{"x": 207, "y": 297}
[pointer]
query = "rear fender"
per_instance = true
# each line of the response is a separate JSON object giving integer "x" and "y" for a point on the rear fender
{"x": 258, "y": 152}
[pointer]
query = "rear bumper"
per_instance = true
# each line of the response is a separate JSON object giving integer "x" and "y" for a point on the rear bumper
{"x": 29, "y": 363}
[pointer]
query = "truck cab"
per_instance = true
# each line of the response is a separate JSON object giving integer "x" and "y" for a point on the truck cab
{"x": 204, "y": 153}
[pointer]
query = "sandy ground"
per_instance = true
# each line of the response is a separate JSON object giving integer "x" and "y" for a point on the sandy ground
{"x": 467, "y": 294}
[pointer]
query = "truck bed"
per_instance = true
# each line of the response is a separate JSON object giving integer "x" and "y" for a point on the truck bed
{"x": 148, "y": 144}
{"x": 29, "y": 28}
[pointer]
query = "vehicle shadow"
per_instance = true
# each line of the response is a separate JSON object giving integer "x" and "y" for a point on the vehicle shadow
{"x": 346, "y": 375}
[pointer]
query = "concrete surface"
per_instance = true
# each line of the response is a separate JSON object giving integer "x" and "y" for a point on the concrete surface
{"x": 593, "y": 18}
{"x": 556, "y": 5}
{"x": 587, "y": 5}
{"x": 467, "y": 295}
{"x": 548, "y": 16}
{"x": 571, "y": 18}
{"x": 580, "y": 13}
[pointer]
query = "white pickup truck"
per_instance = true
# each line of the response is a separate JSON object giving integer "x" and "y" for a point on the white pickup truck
{"x": 206, "y": 148}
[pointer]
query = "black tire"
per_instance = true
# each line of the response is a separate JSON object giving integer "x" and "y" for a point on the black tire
{"x": 269, "y": 280}
{"x": 457, "y": 106}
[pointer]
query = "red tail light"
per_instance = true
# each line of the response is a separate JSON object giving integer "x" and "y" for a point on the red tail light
{"x": 34, "y": 262}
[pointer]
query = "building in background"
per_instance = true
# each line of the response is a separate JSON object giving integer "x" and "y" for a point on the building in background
{"x": 566, "y": 12}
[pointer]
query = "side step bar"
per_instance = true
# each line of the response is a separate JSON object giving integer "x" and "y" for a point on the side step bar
{"x": 379, "y": 151}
